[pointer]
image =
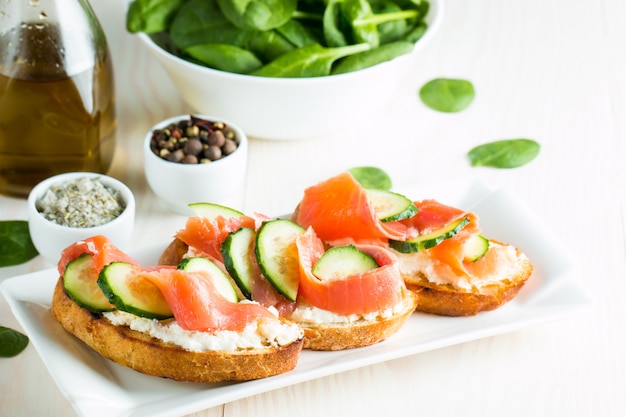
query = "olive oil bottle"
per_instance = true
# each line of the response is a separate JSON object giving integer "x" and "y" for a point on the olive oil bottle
{"x": 57, "y": 96}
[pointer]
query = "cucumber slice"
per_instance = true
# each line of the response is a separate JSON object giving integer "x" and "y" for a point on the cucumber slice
{"x": 342, "y": 261}
{"x": 80, "y": 281}
{"x": 475, "y": 248}
{"x": 222, "y": 282}
{"x": 237, "y": 251}
{"x": 211, "y": 210}
{"x": 132, "y": 293}
{"x": 390, "y": 206}
{"x": 431, "y": 239}
{"x": 277, "y": 255}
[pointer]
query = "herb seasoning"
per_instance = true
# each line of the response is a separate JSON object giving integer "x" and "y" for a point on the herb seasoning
{"x": 82, "y": 203}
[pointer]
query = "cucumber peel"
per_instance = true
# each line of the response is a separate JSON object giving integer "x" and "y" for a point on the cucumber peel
{"x": 222, "y": 282}
{"x": 343, "y": 261}
{"x": 132, "y": 293}
{"x": 237, "y": 251}
{"x": 390, "y": 206}
{"x": 212, "y": 211}
{"x": 475, "y": 248}
{"x": 277, "y": 255}
{"x": 80, "y": 281}
{"x": 430, "y": 240}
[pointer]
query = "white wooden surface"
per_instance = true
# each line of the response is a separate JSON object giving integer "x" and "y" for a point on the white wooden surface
{"x": 551, "y": 70}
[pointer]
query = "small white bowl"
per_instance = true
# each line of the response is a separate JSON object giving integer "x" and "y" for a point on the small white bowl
{"x": 293, "y": 108}
{"x": 51, "y": 238}
{"x": 178, "y": 185}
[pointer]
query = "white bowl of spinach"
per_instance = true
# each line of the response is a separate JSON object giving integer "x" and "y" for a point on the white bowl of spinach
{"x": 286, "y": 69}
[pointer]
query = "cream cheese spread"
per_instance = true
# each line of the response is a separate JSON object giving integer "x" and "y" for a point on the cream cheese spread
{"x": 312, "y": 314}
{"x": 509, "y": 263}
{"x": 261, "y": 334}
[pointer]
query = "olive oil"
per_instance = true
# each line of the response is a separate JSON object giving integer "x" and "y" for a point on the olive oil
{"x": 57, "y": 106}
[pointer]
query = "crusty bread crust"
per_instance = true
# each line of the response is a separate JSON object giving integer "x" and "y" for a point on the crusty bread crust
{"x": 447, "y": 300}
{"x": 339, "y": 336}
{"x": 151, "y": 356}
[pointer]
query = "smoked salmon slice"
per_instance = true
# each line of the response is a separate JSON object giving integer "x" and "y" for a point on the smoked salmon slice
{"x": 197, "y": 305}
{"x": 102, "y": 250}
{"x": 207, "y": 235}
{"x": 372, "y": 291}
{"x": 340, "y": 210}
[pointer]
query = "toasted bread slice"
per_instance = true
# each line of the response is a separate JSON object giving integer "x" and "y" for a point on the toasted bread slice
{"x": 151, "y": 356}
{"x": 331, "y": 335}
{"x": 450, "y": 299}
{"x": 355, "y": 332}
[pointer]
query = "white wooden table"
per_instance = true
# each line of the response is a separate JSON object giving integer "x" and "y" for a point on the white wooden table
{"x": 550, "y": 70}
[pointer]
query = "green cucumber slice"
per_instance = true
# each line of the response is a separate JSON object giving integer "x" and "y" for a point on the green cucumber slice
{"x": 431, "y": 239}
{"x": 390, "y": 206}
{"x": 237, "y": 252}
{"x": 475, "y": 248}
{"x": 222, "y": 282}
{"x": 132, "y": 293}
{"x": 277, "y": 255}
{"x": 342, "y": 261}
{"x": 211, "y": 210}
{"x": 80, "y": 281}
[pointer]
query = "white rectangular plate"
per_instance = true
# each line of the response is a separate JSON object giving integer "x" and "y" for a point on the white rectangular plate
{"x": 98, "y": 387}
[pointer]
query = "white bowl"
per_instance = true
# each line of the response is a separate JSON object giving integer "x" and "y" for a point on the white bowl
{"x": 178, "y": 185}
{"x": 292, "y": 108}
{"x": 51, "y": 238}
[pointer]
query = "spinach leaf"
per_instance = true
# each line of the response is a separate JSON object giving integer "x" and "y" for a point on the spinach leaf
{"x": 12, "y": 342}
{"x": 258, "y": 14}
{"x": 359, "y": 13}
{"x": 507, "y": 153}
{"x": 372, "y": 57}
{"x": 296, "y": 33}
{"x": 225, "y": 57}
{"x": 334, "y": 25}
{"x": 371, "y": 177}
{"x": 201, "y": 21}
{"x": 308, "y": 61}
{"x": 447, "y": 95}
{"x": 16, "y": 246}
{"x": 151, "y": 16}
{"x": 269, "y": 45}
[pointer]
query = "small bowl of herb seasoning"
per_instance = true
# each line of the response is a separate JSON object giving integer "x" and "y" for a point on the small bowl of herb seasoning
{"x": 70, "y": 207}
{"x": 196, "y": 158}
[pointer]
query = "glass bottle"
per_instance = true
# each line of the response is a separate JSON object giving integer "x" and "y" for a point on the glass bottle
{"x": 57, "y": 102}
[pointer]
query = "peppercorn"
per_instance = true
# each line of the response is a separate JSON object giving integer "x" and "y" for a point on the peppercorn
{"x": 193, "y": 141}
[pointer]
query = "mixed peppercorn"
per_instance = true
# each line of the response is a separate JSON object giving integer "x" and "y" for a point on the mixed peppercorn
{"x": 194, "y": 141}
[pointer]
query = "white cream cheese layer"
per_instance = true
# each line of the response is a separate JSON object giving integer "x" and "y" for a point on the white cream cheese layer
{"x": 258, "y": 335}
{"x": 509, "y": 263}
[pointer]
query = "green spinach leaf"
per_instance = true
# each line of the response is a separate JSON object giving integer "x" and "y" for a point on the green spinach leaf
{"x": 12, "y": 342}
{"x": 225, "y": 57}
{"x": 507, "y": 153}
{"x": 372, "y": 57}
{"x": 16, "y": 246}
{"x": 308, "y": 61}
{"x": 201, "y": 21}
{"x": 447, "y": 95}
{"x": 371, "y": 177}
{"x": 258, "y": 14}
{"x": 151, "y": 16}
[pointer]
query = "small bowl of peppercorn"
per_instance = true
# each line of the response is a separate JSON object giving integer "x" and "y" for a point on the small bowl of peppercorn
{"x": 70, "y": 207}
{"x": 196, "y": 158}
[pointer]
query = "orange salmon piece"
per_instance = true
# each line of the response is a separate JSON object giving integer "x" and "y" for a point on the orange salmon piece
{"x": 197, "y": 305}
{"x": 339, "y": 209}
{"x": 363, "y": 293}
{"x": 207, "y": 235}
{"x": 102, "y": 250}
